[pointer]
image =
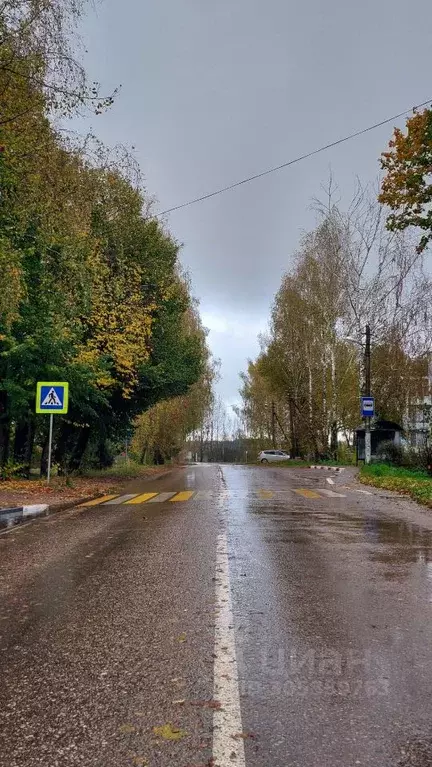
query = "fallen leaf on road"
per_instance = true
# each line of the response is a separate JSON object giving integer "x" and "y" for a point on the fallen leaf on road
{"x": 211, "y": 763}
{"x": 243, "y": 735}
{"x": 139, "y": 761}
{"x": 168, "y": 732}
{"x": 206, "y": 703}
{"x": 127, "y": 729}
{"x": 182, "y": 637}
{"x": 179, "y": 702}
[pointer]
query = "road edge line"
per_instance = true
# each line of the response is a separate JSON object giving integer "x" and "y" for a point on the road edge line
{"x": 227, "y": 720}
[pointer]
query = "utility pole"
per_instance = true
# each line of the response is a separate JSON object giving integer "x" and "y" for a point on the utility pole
{"x": 368, "y": 450}
{"x": 273, "y": 425}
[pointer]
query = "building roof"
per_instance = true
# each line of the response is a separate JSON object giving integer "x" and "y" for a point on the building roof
{"x": 382, "y": 425}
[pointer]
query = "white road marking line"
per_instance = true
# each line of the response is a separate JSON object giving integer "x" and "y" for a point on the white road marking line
{"x": 16, "y": 528}
{"x": 161, "y": 497}
{"x": 226, "y": 720}
{"x": 120, "y": 499}
{"x": 330, "y": 481}
{"x": 331, "y": 494}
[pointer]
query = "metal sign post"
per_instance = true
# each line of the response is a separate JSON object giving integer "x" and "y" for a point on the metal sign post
{"x": 52, "y": 397}
{"x": 50, "y": 447}
{"x": 368, "y": 412}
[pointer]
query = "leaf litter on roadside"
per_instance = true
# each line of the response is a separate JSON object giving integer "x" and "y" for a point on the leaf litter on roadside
{"x": 169, "y": 732}
{"x": 139, "y": 761}
{"x": 127, "y": 729}
{"x": 207, "y": 703}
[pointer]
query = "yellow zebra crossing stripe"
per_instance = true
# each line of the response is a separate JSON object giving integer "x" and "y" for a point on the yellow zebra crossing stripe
{"x": 141, "y": 498}
{"x": 183, "y": 496}
{"x": 97, "y": 501}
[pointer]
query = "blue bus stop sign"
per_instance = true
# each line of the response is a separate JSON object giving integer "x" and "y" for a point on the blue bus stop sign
{"x": 367, "y": 407}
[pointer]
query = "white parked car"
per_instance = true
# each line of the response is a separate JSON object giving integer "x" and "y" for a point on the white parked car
{"x": 267, "y": 456}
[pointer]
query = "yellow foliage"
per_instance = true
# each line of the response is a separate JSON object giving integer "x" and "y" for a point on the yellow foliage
{"x": 12, "y": 289}
{"x": 120, "y": 322}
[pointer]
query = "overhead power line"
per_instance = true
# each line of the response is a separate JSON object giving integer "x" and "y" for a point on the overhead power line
{"x": 293, "y": 162}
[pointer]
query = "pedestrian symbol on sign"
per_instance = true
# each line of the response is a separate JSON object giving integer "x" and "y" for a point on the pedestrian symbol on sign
{"x": 52, "y": 398}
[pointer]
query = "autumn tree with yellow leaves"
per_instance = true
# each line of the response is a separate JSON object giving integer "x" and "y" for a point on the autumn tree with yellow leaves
{"x": 91, "y": 291}
{"x": 348, "y": 271}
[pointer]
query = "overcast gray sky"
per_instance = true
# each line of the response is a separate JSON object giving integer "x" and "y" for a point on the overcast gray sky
{"x": 215, "y": 91}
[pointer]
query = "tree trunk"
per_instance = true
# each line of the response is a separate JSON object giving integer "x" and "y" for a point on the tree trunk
{"x": 334, "y": 440}
{"x": 4, "y": 441}
{"x": 23, "y": 444}
{"x": 201, "y": 446}
{"x": 62, "y": 443}
{"x": 44, "y": 458}
{"x": 4, "y": 429}
{"x": 79, "y": 449}
{"x": 293, "y": 433}
{"x": 105, "y": 458}
{"x": 334, "y": 429}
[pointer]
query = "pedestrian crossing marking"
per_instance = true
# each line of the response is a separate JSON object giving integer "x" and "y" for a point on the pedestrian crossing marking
{"x": 141, "y": 498}
{"x": 119, "y": 499}
{"x": 98, "y": 501}
{"x": 307, "y": 493}
{"x": 184, "y": 495}
{"x": 161, "y": 498}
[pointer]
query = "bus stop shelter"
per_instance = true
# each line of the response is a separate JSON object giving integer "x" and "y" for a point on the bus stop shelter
{"x": 381, "y": 431}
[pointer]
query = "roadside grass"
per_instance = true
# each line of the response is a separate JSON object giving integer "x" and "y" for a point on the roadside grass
{"x": 298, "y": 462}
{"x": 413, "y": 482}
{"x": 125, "y": 470}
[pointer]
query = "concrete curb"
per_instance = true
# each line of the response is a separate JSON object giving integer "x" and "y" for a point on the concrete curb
{"x": 15, "y": 515}
{"x": 328, "y": 468}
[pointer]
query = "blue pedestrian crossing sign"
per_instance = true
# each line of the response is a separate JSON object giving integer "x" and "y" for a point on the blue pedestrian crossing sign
{"x": 367, "y": 407}
{"x": 52, "y": 397}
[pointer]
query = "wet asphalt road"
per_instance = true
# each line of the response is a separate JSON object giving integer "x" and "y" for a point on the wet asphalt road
{"x": 108, "y": 615}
